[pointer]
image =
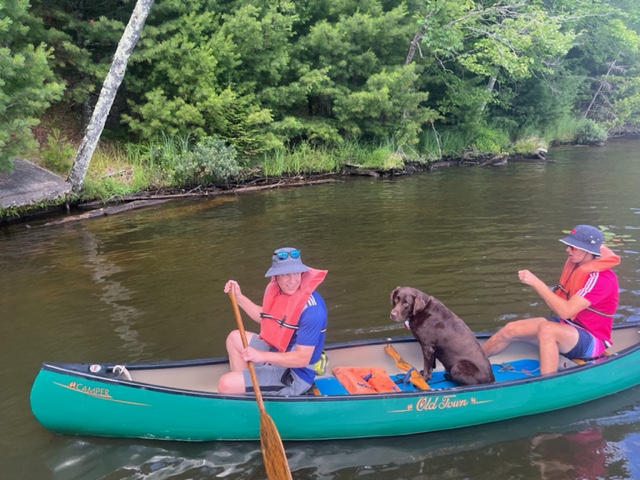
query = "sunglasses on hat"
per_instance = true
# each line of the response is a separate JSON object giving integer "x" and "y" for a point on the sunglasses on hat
{"x": 283, "y": 255}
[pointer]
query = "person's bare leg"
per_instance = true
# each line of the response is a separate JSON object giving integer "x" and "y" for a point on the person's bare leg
{"x": 524, "y": 330}
{"x": 235, "y": 348}
{"x": 554, "y": 338}
{"x": 232, "y": 382}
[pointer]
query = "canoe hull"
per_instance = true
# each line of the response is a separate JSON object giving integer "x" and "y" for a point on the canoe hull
{"x": 68, "y": 402}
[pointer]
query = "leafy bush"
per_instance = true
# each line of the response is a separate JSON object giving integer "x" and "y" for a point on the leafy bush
{"x": 211, "y": 160}
{"x": 490, "y": 140}
{"x": 590, "y": 133}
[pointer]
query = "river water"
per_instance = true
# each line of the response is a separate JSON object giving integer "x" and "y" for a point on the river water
{"x": 147, "y": 285}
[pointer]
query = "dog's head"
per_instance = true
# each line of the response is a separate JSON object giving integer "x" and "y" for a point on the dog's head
{"x": 407, "y": 302}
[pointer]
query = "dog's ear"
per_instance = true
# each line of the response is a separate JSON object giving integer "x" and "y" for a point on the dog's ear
{"x": 393, "y": 295}
{"x": 419, "y": 302}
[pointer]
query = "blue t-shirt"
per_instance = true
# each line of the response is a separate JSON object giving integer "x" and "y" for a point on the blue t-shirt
{"x": 311, "y": 332}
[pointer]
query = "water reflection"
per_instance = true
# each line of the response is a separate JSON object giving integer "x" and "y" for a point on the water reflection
{"x": 148, "y": 285}
{"x": 574, "y": 456}
{"x": 113, "y": 294}
{"x": 585, "y": 442}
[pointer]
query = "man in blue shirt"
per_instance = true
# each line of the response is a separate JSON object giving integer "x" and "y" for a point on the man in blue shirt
{"x": 293, "y": 322}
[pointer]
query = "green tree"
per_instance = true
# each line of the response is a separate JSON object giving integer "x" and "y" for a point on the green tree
{"x": 84, "y": 36}
{"x": 263, "y": 73}
{"x": 197, "y": 71}
{"x": 607, "y": 56}
{"x": 347, "y": 78}
{"x": 26, "y": 81}
{"x": 475, "y": 49}
{"x": 108, "y": 93}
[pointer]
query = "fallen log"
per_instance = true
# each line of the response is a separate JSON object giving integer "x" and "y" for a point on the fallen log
{"x": 105, "y": 211}
{"x": 147, "y": 197}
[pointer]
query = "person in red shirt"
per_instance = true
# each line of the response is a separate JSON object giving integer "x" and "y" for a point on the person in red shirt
{"x": 584, "y": 303}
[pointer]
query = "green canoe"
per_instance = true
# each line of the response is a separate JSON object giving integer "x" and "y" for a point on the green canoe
{"x": 178, "y": 400}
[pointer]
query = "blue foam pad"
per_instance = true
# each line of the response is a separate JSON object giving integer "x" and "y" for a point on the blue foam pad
{"x": 526, "y": 367}
{"x": 330, "y": 386}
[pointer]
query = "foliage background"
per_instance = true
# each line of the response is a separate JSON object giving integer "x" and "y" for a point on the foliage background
{"x": 423, "y": 77}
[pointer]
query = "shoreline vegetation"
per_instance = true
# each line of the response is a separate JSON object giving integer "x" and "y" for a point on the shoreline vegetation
{"x": 225, "y": 94}
{"x": 126, "y": 176}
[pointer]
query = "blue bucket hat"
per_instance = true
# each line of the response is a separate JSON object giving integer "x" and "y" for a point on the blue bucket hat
{"x": 584, "y": 237}
{"x": 286, "y": 260}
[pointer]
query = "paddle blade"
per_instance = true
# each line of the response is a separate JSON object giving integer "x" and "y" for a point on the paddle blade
{"x": 273, "y": 454}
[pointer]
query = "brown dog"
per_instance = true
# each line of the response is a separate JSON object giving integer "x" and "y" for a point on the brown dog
{"x": 443, "y": 336}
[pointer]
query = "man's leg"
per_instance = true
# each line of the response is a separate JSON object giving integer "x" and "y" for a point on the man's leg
{"x": 524, "y": 330}
{"x": 555, "y": 338}
{"x": 231, "y": 382}
{"x": 234, "y": 350}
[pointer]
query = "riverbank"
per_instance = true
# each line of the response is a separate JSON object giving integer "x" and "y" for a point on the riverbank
{"x": 32, "y": 191}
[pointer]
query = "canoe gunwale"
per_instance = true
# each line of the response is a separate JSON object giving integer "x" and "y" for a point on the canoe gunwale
{"x": 76, "y": 369}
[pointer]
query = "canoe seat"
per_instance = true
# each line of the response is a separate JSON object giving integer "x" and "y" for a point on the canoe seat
{"x": 582, "y": 361}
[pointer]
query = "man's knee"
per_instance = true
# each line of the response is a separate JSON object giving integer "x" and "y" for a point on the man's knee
{"x": 234, "y": 340}
{"x": 509, "y": 331}
{"x": 231, "y": 383}
{"x": 547, "y": 331}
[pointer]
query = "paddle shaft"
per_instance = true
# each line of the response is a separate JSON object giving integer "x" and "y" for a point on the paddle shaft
{"x": 245, "y": 344}
{"x": 415, "y": 376}
{"x": 273, "y": 454}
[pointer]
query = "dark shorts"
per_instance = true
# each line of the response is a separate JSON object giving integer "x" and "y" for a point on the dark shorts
{"x": 588, "y": 346}
{"x": 273, "y": 379}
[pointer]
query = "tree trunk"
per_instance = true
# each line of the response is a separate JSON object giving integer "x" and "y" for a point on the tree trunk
{"x": 108, "y": 93}
{"x": 600, "y": 87}
{"x": 413, "y": 46}
{"x": 490, "y": 87}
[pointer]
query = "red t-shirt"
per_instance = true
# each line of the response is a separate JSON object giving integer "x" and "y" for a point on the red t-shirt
{"x": 601, "y": 289}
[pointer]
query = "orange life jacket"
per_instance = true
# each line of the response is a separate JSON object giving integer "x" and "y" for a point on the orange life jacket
{"x": 361, "y": 380}
{"x": 573, "y": 277}
{"x": 281, "y": 312}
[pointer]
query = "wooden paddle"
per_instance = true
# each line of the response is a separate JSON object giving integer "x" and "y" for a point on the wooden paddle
{"x": 415, "y": 376}
{"x": 273, "y": 454}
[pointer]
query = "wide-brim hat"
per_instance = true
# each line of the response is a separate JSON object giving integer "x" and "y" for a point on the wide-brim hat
{"x": 286, "y": 260}
{"x": 584, "y": 237}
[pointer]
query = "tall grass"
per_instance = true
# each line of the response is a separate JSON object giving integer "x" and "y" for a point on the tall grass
{"x": 303, "y": 159}
{"x": 528, "y": 144}
{"x": 168, "y": 161}
{"x": 581, "y": 130}
{"x": 435, "y": 145}
{"x": 306, "y": 159}
{"x": 124, "y": 168}
{"x": 113, "y": 171}
{"x": 564, "y": 130}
